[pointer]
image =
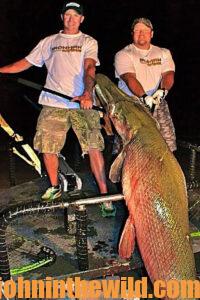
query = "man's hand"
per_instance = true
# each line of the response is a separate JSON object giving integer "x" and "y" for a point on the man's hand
{"x": 159, "y": 95}
{"x": 86, "y": 100}
{"x": 147, "y": 100}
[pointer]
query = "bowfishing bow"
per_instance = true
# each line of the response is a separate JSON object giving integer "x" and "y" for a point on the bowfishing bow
{"x": 40, "y": 88}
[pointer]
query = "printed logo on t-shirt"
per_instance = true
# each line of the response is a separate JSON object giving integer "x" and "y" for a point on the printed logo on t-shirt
{"x": 151, "y": 62}
{"x": 67, "y": 48}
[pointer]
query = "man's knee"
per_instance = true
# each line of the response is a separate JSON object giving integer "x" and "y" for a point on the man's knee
{"x": 45, "y": 142}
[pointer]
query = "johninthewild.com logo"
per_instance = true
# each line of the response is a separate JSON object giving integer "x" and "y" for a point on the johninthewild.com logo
{"x": 125, "y": 287}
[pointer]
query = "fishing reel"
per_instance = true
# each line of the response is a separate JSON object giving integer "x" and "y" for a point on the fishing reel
{"x": 46, "y": 257}
{"x": 47, "y": 254}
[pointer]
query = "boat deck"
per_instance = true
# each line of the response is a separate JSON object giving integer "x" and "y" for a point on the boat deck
{"x": 27, "y": 233}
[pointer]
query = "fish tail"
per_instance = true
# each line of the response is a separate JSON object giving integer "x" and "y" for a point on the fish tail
{"x": 127, "y": 240}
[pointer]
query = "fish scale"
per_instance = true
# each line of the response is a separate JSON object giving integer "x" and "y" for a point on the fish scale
{"x": 154, "y": 205}
{"x": 154, "y": 189}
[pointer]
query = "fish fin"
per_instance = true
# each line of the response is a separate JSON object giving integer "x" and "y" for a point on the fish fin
{"x": 127, "y": 240}
{"x": 116, "y": 167}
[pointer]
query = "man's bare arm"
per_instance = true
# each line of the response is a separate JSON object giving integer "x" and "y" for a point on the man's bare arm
{"x": 86, "y": 99}
{"x": 89, "y": 75}
{"x": 16, "y": 67}
{"x": 133, "y": 84}
{"x": 165, "y": 85}
{"x": 167, "y": 80}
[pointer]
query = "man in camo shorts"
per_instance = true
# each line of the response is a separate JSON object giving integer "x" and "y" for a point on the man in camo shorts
{"x": 147, "y": 71}
{"x": 70, "y": 57}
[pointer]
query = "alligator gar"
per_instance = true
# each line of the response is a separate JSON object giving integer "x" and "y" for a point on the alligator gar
{"x": 154, "y": 188}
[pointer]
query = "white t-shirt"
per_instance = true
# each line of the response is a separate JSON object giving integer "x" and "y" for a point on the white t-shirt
{"x": 148, "y": 65}
{"x": 63, "y": 55}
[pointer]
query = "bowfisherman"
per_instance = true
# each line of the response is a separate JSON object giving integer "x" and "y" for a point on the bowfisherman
{"x": 70, "y": 57}
{"x": 147, "y": 71}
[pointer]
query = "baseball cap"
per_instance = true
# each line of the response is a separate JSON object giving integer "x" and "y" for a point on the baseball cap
{"x": 76, "y": 5}
{"x": 145, "y": 21}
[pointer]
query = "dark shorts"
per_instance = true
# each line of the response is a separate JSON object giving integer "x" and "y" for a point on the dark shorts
{"x": 54, "y": 123}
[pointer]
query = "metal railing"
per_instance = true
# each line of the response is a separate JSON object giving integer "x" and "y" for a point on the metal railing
{"x": 192, "y": 180}
{"x": 16, "y": 211}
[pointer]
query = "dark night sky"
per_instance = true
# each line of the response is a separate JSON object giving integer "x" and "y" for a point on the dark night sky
{"x": 176, "y": 25}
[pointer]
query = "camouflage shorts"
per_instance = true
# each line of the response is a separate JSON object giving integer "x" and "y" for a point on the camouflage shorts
{"x": 54, "y": 123}
{"x": 162, "y": 115}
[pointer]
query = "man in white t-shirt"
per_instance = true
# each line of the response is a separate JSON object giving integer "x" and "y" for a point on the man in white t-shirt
{"x": 70, "y": 57}
{"x": 147, "y": 71}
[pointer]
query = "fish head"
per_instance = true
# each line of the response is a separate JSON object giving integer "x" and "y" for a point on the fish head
{"x": 123, "y": 110}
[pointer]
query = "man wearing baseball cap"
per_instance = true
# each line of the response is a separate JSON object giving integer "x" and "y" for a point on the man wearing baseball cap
{"x": 147, "y": 71}
{"x": 77, "y": 6}
{"x": 70, "y": 57}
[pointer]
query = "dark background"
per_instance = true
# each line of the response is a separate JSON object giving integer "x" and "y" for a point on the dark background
{"x": 176, "y": 26}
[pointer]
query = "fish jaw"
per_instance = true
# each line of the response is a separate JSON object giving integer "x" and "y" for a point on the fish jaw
{"x": 112, "y": 98}
{"x": 108, "y": 93}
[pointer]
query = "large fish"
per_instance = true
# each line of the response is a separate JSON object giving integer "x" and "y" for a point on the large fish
{"x": 154, "y": 189}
